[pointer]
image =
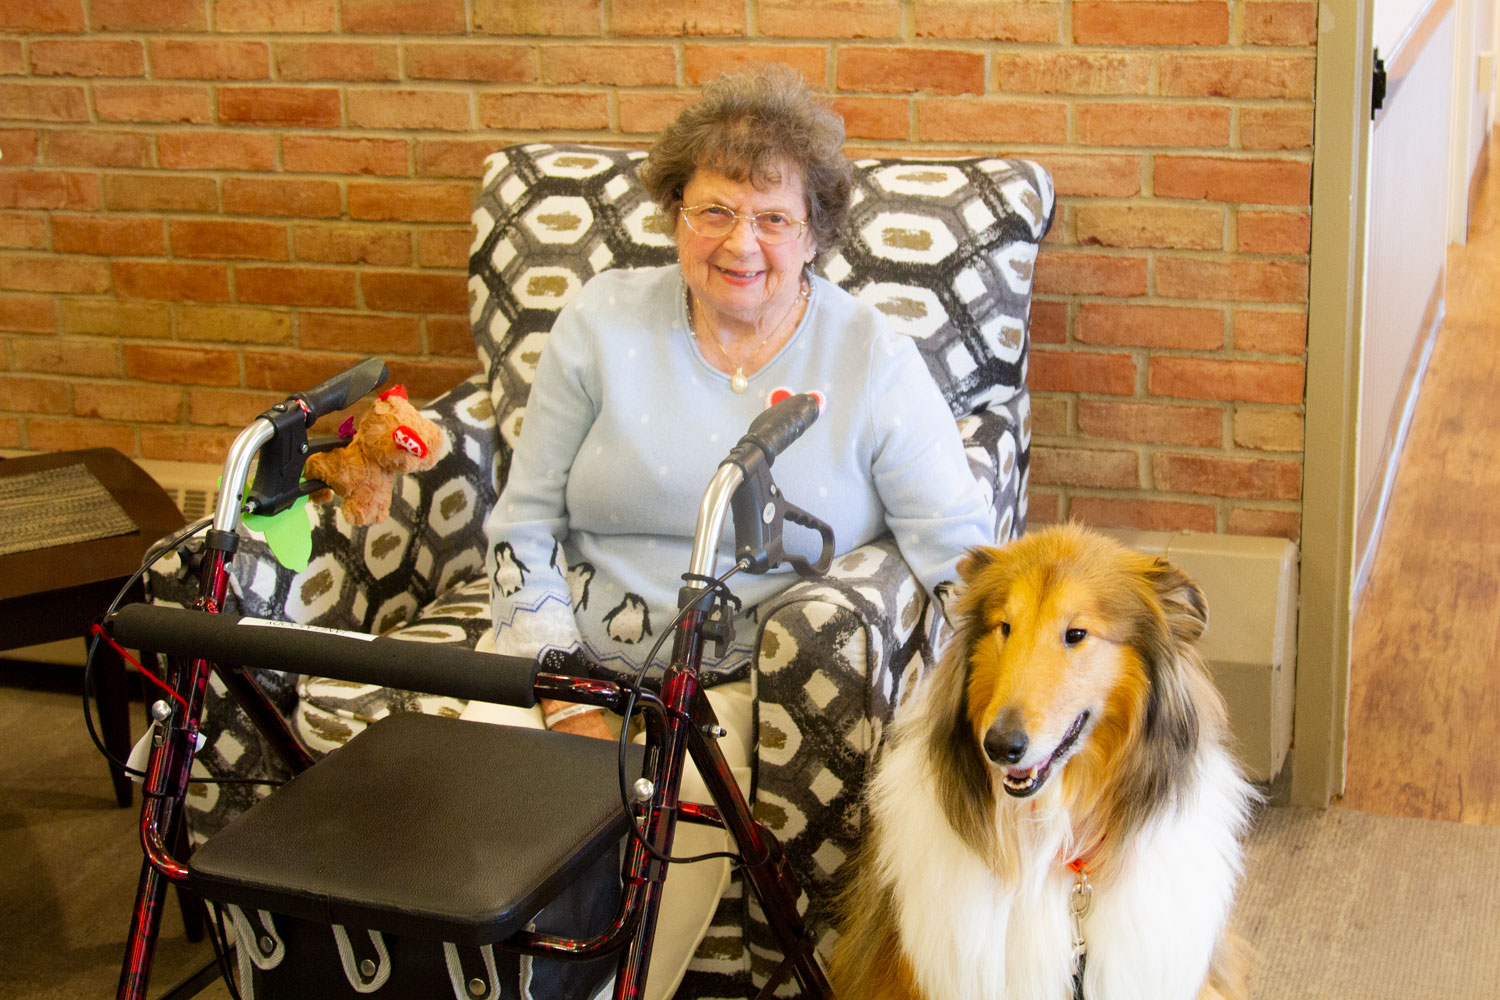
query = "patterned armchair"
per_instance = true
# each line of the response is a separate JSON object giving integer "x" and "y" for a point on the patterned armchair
{"x": 944, "y": 248}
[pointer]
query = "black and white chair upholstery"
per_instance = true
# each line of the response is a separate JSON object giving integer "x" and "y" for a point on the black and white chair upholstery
{"x": 945, "y": 248}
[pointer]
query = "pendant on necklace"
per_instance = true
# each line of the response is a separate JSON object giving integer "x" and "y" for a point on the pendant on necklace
{"x": 738, "y": 382}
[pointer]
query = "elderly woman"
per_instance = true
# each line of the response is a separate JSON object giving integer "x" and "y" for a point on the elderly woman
{"x": 649, "y": 376}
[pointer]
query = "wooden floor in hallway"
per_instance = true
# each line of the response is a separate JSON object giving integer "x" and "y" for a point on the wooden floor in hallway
{"x": 1424, "y": 712}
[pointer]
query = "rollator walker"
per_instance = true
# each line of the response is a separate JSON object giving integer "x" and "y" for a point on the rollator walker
{"x": 427, "y": 844}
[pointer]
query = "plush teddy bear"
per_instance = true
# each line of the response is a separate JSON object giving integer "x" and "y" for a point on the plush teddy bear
{"x": 391, "y": 439}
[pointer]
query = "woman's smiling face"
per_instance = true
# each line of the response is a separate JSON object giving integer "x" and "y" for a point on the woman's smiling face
{"x": 738, "y": 278}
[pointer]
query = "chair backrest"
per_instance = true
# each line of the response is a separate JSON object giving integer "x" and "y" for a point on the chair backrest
{"x": 945, "y": 248}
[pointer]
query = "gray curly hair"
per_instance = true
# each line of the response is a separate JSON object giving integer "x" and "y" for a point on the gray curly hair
{"x": 746, "y": 126}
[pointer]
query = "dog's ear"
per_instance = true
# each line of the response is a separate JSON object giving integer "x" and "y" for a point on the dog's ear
{"x": 976, "y": 560}
{"x": 1182, "y": 602}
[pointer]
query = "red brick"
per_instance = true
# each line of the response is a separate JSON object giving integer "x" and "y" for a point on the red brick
{"x": 1151, "y": 423}
{"x": 102, "y": 401}
{"x": 1142, "y": 515}
{"x": 901, "y": 70}
{"x": 670, "y": 18}
{"x": 444, "y": 247}
{"x": 983, "y": 119}
{"x": 1071, "y": 72}
{"x": 217, "y": 150}
{"x": 286, "y": 107}
{"x": 87, "y": 58}
{"x": 410, "y": 109}
{"x": 98, "y": 148}
{"x": 292, "y": 371}
{"x": 12, "y": 57}
{"x": 1084, "y": 467}
{"x": 874, "y": 117}
{"x": 228, "y": 407}
{"x": 1121, "y": 22}
{"x": 1139, "y": 224}
{"x": 342, "y": 155}
{"x": 233, "y": 324}
{"x": 426, "y": 380}
{"x": 44, "y": 102}
{"x": 148, "y": 15}
{"x": 1238, "y": 76}
{"x": 539, "y": 17}
{"x": 294, "y": 286}
{"x": 1043, "y": 507}
{"x": 485, "y": 61}
{"x": 411, "y": 201}
{"x": 1248, "y": 181}
{"x": 67, "y": 356}
{"x": 1140, "y": 325}
{"x": 1081, "y": 371}
{"x": 1152, "y": 124}
{"x": 160, "y": 192}
{"x": 49, "y": 190}
{"x": 342, "y": 243}
{"x": 43, "y": 16}
{"x": 126, "y": 236}
{"x": 539, "y": 110}
{"x": 171, "y": 281}
{"x": 415, "y": 291}
{"x": 27, "y": 314}
{"x": 185, "y": 444}
{"x": 1278, "y": 23}
{"x": 1274, "y": 232}
{"x": 1222, "y": 476}
{"x": 1239, "y": 279}
{"x": 221, "y": 239}
{"x": 834, "y": 18}
{"x": 1114, "y": 176}
{"x": 1229, "y": 380}
{"x": 646, "y": 112}
{"x": 306, "y": 199}
{"x": 1049, "y": 416}
{"x": 703, "y": 63}
{"x": 23, "y": 231}
{"x": 1049, "y": 322}
{"x": 362, "y": 332}
{"x": 453, "y": 157}
{"x": 616, "y": 65}
{"x": 115, "y": 318}
{"x": 1039, "y": 21}
{"x": 180, "y": 59}
{"x": 67, "y": 435}
{"x": 288, "y": 16}
{"x": 146, "y": 102}
{"x": 404, "y": 17}
{"x": 51, "y": 273}
{"x": 1270, "y": 332}
{"x": 194, "y": 365}
{"x": 1278, "y": 127}
{"x": 1090, "y": 274}
{"x": 450, "y": 336}
{"x": 33, "y": 395}
{"x": 1263, "y": 429}
{"x": 1266, "y": 523}
{"x": 341, "y": 61}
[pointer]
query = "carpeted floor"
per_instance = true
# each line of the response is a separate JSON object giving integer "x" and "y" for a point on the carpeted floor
{"x": 1338, "y": 905}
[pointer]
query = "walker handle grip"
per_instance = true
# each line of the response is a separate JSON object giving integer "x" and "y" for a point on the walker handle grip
{"x": 343, "y": 390}
{"x": 779, "y": 426}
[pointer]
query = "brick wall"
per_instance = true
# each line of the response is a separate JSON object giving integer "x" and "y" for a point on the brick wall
{"x": 205, "y": 204}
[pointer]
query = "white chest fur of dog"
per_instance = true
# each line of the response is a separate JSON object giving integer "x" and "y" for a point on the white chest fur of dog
{"x": 1036, "y": 747}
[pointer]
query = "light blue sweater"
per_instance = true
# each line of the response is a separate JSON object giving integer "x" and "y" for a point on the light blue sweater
{"x": 625, "y": 425}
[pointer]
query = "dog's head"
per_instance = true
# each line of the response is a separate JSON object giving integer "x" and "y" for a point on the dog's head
{"x": 1076, "y": 665}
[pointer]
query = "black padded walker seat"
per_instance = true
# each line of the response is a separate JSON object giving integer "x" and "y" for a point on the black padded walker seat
{"x": 430, "y": 827}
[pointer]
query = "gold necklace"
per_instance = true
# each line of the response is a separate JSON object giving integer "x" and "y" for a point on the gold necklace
{"x": 739, "y": 381}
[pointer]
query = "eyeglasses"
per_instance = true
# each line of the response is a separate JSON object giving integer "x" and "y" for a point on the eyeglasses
{"x": 716, "y": 222}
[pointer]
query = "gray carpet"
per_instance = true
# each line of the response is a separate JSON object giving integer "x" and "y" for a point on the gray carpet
{"x": 1338, "y": 905}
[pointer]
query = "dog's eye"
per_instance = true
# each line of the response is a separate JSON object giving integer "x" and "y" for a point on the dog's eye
{"x": 1074, "y": 636}
{"x": 1005, "y": 629}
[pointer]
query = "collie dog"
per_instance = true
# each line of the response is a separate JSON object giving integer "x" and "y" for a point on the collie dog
{"x": 1054, "y": 814}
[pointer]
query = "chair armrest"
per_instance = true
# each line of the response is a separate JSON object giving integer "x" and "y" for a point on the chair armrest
{"x": 998, "y": 443}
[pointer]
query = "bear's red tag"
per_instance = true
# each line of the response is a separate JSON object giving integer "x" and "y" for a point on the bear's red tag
{"x": 410, "y": 440}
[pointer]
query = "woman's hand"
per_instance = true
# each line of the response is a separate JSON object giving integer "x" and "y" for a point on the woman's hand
{"x": 586, "y": 723}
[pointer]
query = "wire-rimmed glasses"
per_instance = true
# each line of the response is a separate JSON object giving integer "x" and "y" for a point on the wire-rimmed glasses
{"x": 716, "y": 222}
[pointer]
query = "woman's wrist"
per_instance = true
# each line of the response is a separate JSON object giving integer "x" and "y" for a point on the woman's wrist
{"x": 551, "y": 718}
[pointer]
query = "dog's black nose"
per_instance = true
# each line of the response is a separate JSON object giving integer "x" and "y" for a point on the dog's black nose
{"x": 1005, "y": 746}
